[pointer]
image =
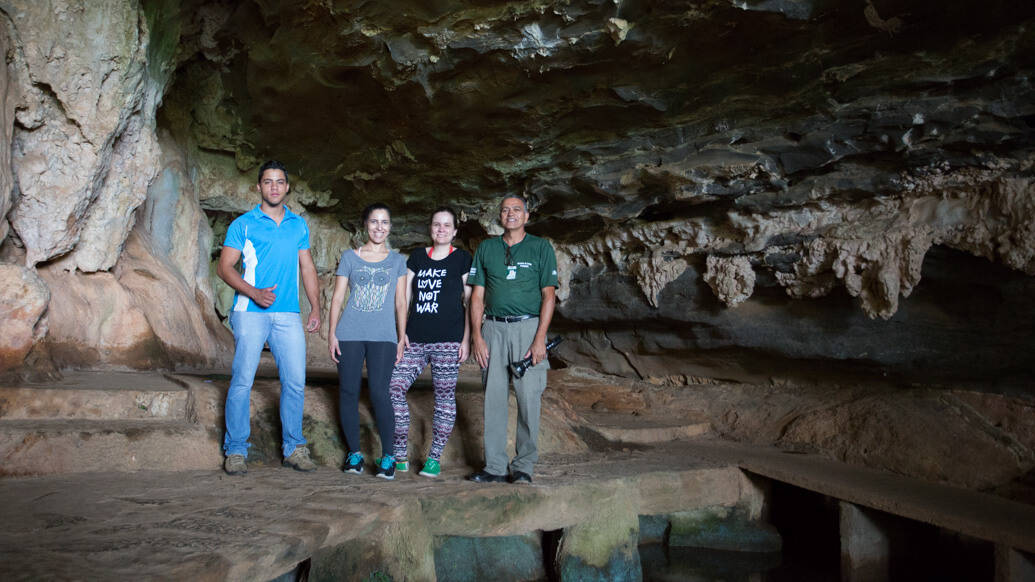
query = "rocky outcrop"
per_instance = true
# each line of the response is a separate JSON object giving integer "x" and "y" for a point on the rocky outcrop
{"x": 142, "y": 315}
{"x": 177, "y": 312}
{"x": 133, "y": 165}
{"x": 22, "y": 313}
{"x": 83, "y": 144}
{"x": 178, "y": 228}
{"x": 95, "y": 322}
{"x": 964, "y": 437}
{"x": 732, "y": 279}
{"x": 967, "y": 438}
{"x": 734, "y": 189}
{"x": 84, "y": 83}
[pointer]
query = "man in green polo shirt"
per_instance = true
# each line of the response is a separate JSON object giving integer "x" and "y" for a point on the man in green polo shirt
{"x": 514, "y": 280}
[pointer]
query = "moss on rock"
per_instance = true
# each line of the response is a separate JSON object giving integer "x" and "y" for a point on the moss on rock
{"x": 722, "y": 528}
{"x": 604, "y": 548}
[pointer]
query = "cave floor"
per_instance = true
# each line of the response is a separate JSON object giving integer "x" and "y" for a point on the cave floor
{"x": 207, "y": 525}
{"x": 604, "y": 443}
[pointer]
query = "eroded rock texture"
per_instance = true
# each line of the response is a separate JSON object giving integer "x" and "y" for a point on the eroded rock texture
{"x": 25, "y": 299}
{"x": 84, "y": 127}
{"x": 735, "y": 189}
{"x": 799, "y": 160}
{"x": 85, "y": 81}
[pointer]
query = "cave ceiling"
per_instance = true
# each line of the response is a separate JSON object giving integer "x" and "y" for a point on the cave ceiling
{"x": 730, "y": 186}
{"x": 605, "y": 112}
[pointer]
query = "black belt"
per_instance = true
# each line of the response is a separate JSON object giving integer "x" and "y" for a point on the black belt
{"x": 510, "y": 318}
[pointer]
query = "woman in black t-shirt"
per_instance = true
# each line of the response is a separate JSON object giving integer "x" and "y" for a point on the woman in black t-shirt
{"x": 437, "y": 332}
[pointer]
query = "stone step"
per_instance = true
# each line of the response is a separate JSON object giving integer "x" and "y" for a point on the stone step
{"x": 643, "y": 430}
{"x": 49, "y": 446}
{"x": 97, "y": 396}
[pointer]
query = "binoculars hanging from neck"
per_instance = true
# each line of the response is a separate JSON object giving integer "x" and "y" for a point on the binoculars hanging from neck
{"x": 519, "y": 367}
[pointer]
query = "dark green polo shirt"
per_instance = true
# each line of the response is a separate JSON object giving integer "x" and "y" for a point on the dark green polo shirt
{"x": 514, "y": 289}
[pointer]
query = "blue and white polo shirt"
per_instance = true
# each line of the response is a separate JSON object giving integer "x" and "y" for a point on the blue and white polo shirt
{"x": 270, "y": 256}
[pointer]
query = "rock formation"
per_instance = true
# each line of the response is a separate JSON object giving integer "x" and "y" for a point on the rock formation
{"x": 767, "y": 191}
{"x": 25, "y": 298}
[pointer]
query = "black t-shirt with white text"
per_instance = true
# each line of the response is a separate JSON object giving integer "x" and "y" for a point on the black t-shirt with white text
{"x": 436, "y": 304}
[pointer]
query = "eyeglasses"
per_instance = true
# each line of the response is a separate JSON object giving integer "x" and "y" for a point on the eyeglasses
{"x": 508, "y": 261}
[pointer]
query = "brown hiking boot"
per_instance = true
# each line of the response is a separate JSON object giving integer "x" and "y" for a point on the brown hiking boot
{"x": 235, "y": 465}
{"x": 299, "y": 460}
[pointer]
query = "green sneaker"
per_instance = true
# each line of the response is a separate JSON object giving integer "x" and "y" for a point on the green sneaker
{"x": 402, "y": 465}
{"x": 431, "y": 468}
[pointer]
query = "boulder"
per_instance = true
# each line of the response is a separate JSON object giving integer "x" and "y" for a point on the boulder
{"x": 95, "y": 322}
{"x": 22, "y": 313}
{"x": 180, "y": 316}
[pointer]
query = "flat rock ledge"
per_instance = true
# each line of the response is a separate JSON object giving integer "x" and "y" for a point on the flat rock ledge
{"x": 205, "y": 525}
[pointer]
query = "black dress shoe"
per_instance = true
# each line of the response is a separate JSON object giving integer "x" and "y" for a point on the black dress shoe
{"x": 519, "y": 477}
{"x": 484, "y": 476}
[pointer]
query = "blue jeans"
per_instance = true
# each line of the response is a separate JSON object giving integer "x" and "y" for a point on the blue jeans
{"x": 283, "y": 330}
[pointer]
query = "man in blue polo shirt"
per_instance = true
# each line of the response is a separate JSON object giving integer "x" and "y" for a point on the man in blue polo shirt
{"x": 513, "y": 280}
{"x": 273, "y": 244}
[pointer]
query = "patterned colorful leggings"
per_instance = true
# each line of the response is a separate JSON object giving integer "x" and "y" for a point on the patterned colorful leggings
{"x": 444, "y": 369}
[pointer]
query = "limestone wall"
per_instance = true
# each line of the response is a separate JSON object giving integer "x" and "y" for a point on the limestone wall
{"x": 118, "y": 282}
{"x": 734, "y": 191}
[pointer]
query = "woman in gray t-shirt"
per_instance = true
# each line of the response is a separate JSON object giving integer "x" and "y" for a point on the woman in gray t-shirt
{"x": 371, "y": 328}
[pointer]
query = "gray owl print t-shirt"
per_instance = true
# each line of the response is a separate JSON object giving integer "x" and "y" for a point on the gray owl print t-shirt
{"x": 369, "y": 314}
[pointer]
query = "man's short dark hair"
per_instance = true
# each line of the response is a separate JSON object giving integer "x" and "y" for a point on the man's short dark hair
{"x": 272, "y": 165}
{"x": 524, "y": 201}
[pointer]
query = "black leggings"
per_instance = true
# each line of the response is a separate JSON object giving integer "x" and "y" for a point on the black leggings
{"x": 380, "y": 357}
